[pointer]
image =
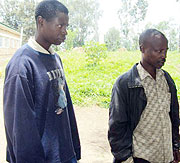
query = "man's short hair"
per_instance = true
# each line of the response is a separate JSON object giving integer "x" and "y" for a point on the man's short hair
{"x": 147, "y": 34}
{"x": 48, "y": 9}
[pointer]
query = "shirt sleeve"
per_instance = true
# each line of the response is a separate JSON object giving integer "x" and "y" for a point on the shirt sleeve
{"x": 74, "y": 128}
{"x": 23, "y": 139}
{"x": 119, "y": 133}
{"x": 72, "y": 118}
{"x": 174, "y": 115}
{"x": 174, "y": 112}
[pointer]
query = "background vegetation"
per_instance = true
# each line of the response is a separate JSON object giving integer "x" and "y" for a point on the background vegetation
{"x": 90, "y": 85}
{"x": 83, "y": 23}
{"x": 91, "y": 68}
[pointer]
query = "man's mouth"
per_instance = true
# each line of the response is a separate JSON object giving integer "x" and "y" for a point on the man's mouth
{"x": 163, "y": 61}
{"x": 61, "y": 39}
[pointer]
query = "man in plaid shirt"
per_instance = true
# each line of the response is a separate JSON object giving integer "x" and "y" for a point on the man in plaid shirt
{"x": 144, "y": 111}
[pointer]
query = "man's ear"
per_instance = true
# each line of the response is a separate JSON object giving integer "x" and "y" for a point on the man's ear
{"x": 141, "y": 48}
{"x": 40, "y": 21}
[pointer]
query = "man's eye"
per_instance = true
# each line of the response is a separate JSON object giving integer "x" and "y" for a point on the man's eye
{"x": 158, "y": 51}
{"x": 161, "y": 51}
{"x": 63, "y": 25}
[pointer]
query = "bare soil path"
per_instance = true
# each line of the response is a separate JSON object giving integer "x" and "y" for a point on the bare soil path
{"x": 92, "y": 125}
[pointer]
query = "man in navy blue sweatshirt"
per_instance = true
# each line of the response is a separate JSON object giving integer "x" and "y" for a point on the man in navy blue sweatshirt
{"x": 39, "y": 117}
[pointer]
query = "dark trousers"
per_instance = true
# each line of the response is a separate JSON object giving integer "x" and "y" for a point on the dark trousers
{"x": 136, "y": 160}
{"x": 140, "y": 160}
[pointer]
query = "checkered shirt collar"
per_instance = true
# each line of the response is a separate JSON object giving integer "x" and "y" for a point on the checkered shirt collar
{"x": 144, "y": 74}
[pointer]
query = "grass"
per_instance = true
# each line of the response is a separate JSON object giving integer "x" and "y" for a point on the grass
{"x": 92, "y": 85}
{"x": 172, "y": 65}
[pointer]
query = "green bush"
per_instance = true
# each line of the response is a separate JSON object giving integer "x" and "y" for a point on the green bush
{"x": 95, "y": 52}
{"x": 93, "y": 85}
{"x": 69, "y": 42}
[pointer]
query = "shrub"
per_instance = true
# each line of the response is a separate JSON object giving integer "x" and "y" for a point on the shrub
{"x": 95, "y": 52}
{"x": 69, "y": 42}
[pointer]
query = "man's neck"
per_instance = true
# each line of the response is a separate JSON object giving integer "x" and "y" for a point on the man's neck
{"x": 151, "y": 70}
{"x": 42, "y": 42}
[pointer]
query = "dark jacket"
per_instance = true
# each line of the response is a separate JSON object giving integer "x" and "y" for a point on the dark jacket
{"x": 127, "y": 104}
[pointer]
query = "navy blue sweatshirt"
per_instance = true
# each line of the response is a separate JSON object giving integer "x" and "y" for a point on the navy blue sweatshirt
{"x": 33, "y": 94}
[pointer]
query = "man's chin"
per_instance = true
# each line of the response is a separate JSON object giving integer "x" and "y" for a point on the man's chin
{"x": 58, "y": 42}
{"x": 160, "y": 65}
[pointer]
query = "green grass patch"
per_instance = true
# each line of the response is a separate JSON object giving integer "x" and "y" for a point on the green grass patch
{"x": 91, "y": 85}
{"x": 172, "y": 65}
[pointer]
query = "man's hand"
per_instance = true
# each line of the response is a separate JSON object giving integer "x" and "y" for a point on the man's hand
{"x": 176, "y": 156}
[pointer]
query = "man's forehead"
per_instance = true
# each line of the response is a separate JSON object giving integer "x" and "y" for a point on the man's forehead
{"x": 155, "y": 38}
{"x": 62, "y": 16}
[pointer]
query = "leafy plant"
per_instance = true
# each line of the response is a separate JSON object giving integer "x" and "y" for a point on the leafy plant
{"x": 95, "y": 52}
{"x": 69, "y": 42}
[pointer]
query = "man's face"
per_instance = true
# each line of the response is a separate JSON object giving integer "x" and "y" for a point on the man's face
{"x": 154, "y": 52}
{"x": 54, "y": 31}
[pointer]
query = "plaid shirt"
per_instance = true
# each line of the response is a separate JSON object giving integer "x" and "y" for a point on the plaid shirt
{"x": 152, "y": 138}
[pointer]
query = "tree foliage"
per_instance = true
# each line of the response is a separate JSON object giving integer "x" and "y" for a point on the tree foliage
{"x": 18, "y": 14}
{"x": 112, "y": 39}
{"x": 131, "y": 13}
{"x": 84, "y": 16}
{"x": 170, "y": 30}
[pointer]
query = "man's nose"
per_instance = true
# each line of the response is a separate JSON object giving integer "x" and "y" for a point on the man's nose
{"x": 64, "y": 30}
{"x": 164, "y": 54}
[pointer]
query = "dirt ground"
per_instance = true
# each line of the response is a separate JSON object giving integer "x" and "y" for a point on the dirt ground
{"x": 92, "y": 125}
